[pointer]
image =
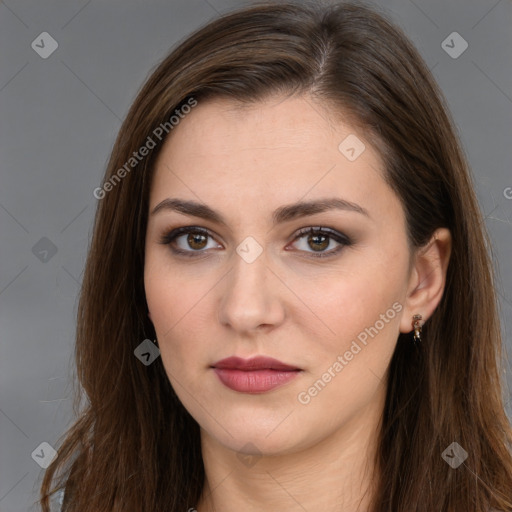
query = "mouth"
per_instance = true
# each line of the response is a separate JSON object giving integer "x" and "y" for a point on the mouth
{"x": 256, "y": 375}
{"x": 253, "y": 364}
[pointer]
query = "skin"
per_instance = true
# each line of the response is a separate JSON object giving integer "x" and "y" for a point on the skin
{"x": 269, "y": 450}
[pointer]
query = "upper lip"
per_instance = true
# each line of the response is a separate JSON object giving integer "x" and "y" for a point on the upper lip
{"x": 254, "y": 363}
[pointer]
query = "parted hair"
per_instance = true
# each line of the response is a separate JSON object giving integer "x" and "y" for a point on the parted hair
{"x": 133, "y": 446}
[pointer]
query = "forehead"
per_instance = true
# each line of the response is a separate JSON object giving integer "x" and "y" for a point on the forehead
{"x": 273, "y": 151}
{"x": 220, "y": 127}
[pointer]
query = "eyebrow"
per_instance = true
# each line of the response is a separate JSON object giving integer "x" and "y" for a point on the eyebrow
{"x": 282, "y": 214}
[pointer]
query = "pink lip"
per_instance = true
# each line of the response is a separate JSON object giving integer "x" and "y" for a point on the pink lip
{"x": 254, "y": 363}
{"x": 256, "y": 375}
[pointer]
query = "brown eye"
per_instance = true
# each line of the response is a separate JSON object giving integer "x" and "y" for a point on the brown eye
{"x": 190, "y": 241}
{"x": 197, "y": 241}
{"x": 321, "y": 242}
{"x": 318, "y": 242}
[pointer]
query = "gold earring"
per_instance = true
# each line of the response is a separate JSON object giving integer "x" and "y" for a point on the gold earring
{"x": 417, "y": 327}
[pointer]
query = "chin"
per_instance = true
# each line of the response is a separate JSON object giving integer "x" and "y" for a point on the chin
{"x": 259, "y": 435}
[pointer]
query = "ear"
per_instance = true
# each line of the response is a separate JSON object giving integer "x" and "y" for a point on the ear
{"x": 427, "y": 279}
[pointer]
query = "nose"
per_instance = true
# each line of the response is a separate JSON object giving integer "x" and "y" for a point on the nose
{"x": 251, "y": 297}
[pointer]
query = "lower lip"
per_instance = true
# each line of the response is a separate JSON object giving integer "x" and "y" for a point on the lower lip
{"x": 255, "y": 381}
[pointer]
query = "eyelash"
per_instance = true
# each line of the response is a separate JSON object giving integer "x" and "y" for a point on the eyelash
{"x": 338, "y": 237}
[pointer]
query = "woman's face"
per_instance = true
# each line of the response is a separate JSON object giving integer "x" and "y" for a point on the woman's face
{"x": 250, "y": 280}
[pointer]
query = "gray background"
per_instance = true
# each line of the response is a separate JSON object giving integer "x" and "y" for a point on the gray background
{"x": 59, "y": 117}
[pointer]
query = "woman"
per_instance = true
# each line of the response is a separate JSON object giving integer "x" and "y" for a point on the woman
{"x": 288, "y": 214}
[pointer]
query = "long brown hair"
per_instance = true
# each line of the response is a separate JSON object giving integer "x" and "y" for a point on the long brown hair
{"x": 133, "y": 446}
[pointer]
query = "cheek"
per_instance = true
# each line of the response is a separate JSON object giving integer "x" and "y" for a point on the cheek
{"x": 170, "y": 292}
{"x": 366, "y": 294}
{"x": 348, "y": 368}
{"x": 366, "y": 327}
{"x": 177, "y": 302}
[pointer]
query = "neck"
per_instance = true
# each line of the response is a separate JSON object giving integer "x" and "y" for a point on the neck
{"x": 334, "y": 475}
